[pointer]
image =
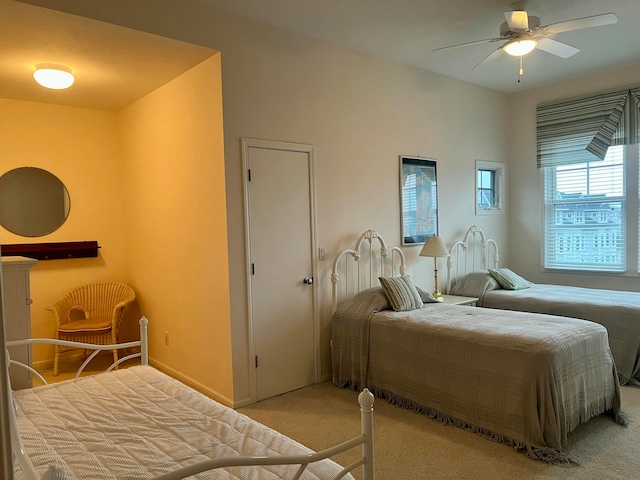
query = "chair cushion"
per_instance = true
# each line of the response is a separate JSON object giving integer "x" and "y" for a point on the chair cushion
{"x": 95, "y": 325}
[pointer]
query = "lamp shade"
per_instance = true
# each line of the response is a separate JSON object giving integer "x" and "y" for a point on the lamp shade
{"x": 434, "y": 247}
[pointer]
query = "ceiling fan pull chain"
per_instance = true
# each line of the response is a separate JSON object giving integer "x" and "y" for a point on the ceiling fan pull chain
{"x": 520, "y": 71}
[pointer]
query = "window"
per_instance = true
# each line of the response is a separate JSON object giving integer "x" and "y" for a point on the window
{"x": 489, "y": 187}
{"x": 587, "y": 148}
{"x": 588, "y": 211}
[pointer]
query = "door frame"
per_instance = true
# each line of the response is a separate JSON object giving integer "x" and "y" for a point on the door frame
{"x": 246, "y": 144}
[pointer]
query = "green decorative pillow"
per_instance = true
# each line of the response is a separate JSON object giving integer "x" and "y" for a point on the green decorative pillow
{"x": 401, "y": 292}
{"x": 509, "y": 280}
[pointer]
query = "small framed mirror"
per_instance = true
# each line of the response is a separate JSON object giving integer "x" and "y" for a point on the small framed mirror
{"x": 33, "y": 202}
{"x": 418, "y": 199}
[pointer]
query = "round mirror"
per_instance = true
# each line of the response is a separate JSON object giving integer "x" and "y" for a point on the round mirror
{"x": 33, "y": 202}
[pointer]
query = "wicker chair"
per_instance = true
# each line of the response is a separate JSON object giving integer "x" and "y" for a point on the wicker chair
{"x": 91, "y": 314}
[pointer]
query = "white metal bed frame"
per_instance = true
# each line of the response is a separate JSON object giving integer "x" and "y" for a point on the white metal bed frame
{"x": 365, "y": 439}
{"x": 365, "y": 276}
{"x": 474, "y": 252}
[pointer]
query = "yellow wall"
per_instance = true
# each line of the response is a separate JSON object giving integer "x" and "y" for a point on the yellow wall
{"x": 80, "y": 147}
{"x": 176, "y": 211}
{"x": 148, "y": 184}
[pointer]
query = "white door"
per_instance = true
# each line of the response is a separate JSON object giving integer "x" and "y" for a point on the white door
{"x": 279, "y": 193}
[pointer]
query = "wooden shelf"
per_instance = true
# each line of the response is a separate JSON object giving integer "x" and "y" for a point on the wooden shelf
{"x": 52, "y": 251}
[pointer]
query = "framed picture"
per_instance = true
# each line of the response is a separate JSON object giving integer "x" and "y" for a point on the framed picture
{"x": 418, "y": 199}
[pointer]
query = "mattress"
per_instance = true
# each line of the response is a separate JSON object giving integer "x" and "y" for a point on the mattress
{"x": 138, "y": 423}
{"x": 519, "y": 378}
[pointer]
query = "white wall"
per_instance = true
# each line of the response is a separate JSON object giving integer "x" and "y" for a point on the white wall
{"x": 361, "y": 112}
{"x": 525, "y": 216}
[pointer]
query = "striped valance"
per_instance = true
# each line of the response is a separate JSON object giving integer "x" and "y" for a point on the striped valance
{"x": 581, "y": 129}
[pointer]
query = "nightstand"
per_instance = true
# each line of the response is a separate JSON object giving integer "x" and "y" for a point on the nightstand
{"x": 458, "y": 300}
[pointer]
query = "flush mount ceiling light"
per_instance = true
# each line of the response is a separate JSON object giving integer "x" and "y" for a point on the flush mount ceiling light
{"x": 518, "y": 48}
{"x": 56, "y": 77}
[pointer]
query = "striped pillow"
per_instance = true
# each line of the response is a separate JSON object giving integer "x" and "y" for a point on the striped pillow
{"x": 401, "y": 292}
{"x": 509, "y": 280}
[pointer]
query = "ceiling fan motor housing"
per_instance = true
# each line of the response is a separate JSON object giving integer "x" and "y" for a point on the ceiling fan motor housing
{"x": 506, "y": 32}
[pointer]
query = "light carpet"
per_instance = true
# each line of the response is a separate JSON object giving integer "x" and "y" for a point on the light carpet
{"x": 411, "y": 446}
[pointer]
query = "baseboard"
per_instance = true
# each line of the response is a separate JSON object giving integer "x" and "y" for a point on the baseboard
{"x": 243, "y": 403}
{"x": 191, "y": 383}
{"x": 247, "y": 401}
{"x": 65, "y": 357}
{"x": 77, "y": 355}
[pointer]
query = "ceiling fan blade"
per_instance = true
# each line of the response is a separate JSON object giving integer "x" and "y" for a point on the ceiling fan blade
{"x": 578, "y": 23}
{"x": 557, "y": 48}
{"x": 477, "y": 42}
{"x": 517, "y": 19}
{"x": 492, "y": 56}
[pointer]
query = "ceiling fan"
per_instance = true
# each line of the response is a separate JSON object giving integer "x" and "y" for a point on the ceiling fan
{"x": 521, "y": 33}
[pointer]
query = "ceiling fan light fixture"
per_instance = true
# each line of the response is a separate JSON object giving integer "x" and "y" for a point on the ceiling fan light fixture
{"x": 56, "y": 77}
{"x": 518, "y": 48}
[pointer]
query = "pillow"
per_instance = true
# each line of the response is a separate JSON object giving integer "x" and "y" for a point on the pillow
{"x": 475, "y": 284}
{"x": 368, "y": 301}
{"x": 426, "y": 297}
{"x": 509, "y": 280}
{"x": 401, "y": 292}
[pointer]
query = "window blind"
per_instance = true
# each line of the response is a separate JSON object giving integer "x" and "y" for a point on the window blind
{"x": 584, "y": 215}
{"x": 581, "y": 129}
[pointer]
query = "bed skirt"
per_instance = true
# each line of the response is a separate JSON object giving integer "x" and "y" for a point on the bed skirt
{"x": 545, "y": 454}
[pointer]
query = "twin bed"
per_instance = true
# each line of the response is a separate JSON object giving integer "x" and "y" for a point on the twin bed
{"x": 138, "y": 423}
{"x": 523, "y": 379}
{"x": 618, "y": 311}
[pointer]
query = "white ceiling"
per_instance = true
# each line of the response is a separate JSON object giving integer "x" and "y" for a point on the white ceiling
{"x": 114, "y": 66}
{"x": 409, "y": 30}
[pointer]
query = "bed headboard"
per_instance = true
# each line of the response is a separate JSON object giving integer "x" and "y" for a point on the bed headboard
{"x": 474, "y": 252}
{"x": 356, "y": 269}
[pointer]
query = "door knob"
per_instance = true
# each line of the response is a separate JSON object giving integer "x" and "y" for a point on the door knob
{"x": 308, "y": 281}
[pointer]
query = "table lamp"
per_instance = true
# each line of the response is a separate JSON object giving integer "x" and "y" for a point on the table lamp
{"x": 435, "y": 247}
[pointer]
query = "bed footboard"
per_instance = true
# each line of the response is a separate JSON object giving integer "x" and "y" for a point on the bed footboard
{"x": 142, "y": 343}
{"x": 19, "y": 452}
{"x": 365, "y": 399}
{"x": 364, "y": 440}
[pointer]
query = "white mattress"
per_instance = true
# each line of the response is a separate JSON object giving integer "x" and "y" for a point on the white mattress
{"x": 138, "y": 423}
